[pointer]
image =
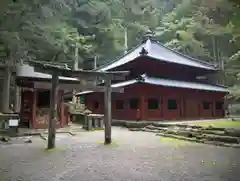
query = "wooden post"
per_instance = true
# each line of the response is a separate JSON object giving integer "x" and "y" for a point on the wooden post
{"x": 33, "y": 123}
{"x": 101, "y": 123}
{"x": 107, "y": 111}
{"x": 89, "y": 123}
{"x": 96, "y": 123}
{"x": 142, "y": 107}
{"x": 85, "y": 122}
{"x": 53, "y": 112}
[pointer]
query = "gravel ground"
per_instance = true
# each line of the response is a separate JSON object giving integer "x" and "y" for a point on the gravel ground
{"x": 134, "y": 156}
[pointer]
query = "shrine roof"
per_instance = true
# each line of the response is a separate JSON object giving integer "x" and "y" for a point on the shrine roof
{"x": 153, "y": 49}
{"x": 27, "y": 71}
{"x": 169, "y": 83}
{"x": 182, "y": 84}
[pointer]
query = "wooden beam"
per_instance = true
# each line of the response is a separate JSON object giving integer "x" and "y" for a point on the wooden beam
{"x": 81, "y": 74}
{"x": 107, "y": 112}
{"x": 53, "y": 116}
{"x": 77, "y": 87}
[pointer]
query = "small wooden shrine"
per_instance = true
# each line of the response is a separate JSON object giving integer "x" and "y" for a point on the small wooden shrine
{"x": 35, "y": 97}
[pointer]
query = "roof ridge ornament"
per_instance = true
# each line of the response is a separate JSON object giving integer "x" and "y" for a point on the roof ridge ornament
{"x": 143, "y": 52}
{"x": 141, "y": 78}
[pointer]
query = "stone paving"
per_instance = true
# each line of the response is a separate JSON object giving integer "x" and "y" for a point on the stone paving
{"x": 134, "y": 156}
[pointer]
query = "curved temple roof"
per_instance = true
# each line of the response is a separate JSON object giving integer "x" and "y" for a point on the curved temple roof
{"x": 183, "y": 84}
{"x": 168, "y": 83}
{"x": 156, "y": 50}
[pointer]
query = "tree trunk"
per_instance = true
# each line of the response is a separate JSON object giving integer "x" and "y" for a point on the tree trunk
{"x": 17, "y": 100}
{"x": 125, "y": 40}
{"x": 75, "y": 67}
{"x": 6, "y": 90}
{"x": 214, "y": 50}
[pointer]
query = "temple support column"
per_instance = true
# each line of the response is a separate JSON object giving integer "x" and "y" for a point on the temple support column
{"x": 34, "y": 110}
{"x": 142, "y": 107}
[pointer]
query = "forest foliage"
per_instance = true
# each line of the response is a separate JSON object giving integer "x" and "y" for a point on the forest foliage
{"x": 40, "y": 29}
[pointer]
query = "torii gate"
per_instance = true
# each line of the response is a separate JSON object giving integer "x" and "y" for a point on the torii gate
{"x": 82, "y": 75}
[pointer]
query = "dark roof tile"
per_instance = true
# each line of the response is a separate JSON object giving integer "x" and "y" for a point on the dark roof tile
{"x": 160, "y": 52}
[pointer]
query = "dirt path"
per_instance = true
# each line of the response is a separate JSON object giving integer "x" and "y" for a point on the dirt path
{"x": 136, "y": 156}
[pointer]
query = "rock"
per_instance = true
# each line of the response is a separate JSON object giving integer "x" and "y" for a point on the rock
{"x": 161, "y": 129}
{"x": 221, "y": 133}
{"x": 214, "y": 128}
{"x": 151, "y": 127}
{"x": 134, "y": 129}
{"x": 135, "y": 124}
{"x": 28, "y": 141}
{"x": 118, "y": 123}
{"x": 4, "y": 139}
{"x": 226, "y": 139}
{"x": 180, "y": 133}
{"x": 190, "y": 135}
{"x": 175, "y": 128}
{"x": 195, "y": 127}
{"x": 160, "y": 124}
{"x": 150, "y": 130}
{"x": 232, "y": 132}
{"x": 188, "y": 129}
{"x": 181, "y": 125}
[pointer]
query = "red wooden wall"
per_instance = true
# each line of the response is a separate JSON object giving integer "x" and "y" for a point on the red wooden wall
{"x": 189, "y": 103}
{"x": 171, "y": 71}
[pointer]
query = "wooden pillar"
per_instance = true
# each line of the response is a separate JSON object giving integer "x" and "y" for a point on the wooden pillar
{"x": 213, "y": 109}
{"x": 107, "y": 111}
{"x": 183, "y": 100}
{"x": 101, "y": 123}
{"x": 53, "y": 112}
{"x": 89, "y": 123}
{"x": 142, "y": 107}
{"x": 62, "y": 119}
{"x": 96, "y": 122}
{"x": 163, "y": 104}
{"x": 34, "y": 109}
{"x": 199, "y": 101}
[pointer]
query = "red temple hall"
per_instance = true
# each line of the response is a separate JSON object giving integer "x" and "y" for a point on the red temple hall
{"x": 35, "y": 97}
{"x": 163, "y": 85}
